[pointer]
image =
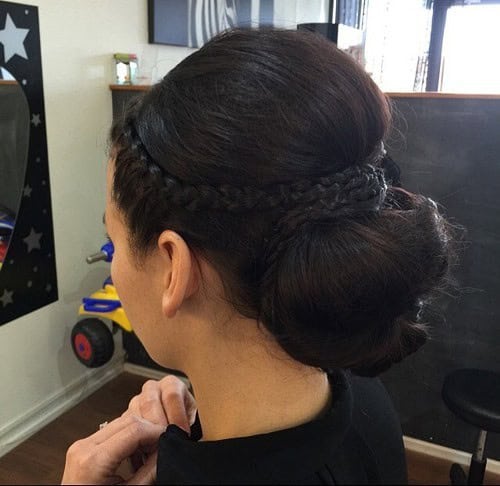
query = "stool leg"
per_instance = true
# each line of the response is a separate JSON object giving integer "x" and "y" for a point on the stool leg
{"x": 478, "y": 461}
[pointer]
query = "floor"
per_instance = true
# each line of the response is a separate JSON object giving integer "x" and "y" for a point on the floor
{"x": 40, "y": 459}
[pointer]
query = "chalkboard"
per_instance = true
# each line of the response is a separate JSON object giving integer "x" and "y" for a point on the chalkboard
{"x": 449, "y": 149}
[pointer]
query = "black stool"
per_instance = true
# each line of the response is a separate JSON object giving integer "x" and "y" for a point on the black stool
{"x": 474, "y": 396}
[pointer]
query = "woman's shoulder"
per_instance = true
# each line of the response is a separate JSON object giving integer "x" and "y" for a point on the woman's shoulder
{"x": 358, "y": 440}
{"x": 377, "y": 424}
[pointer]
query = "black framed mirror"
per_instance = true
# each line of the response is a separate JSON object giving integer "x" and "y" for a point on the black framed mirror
{"x": 28, "y": 278}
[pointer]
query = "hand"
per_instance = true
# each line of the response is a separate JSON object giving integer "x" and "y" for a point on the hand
{"x": 96, "y": 459}
{"x": 164, "y": 402}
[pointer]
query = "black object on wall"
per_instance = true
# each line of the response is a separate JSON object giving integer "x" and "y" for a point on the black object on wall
{"x": 14, "y": 139}
{"x": 179, "y": 22}
{"x": 351, "y": 13}
{"x": 28, "y": 277}
{"x": 330, "y": 31}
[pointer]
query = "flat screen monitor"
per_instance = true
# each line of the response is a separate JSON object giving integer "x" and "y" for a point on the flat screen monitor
{"x": 194, "y": 22}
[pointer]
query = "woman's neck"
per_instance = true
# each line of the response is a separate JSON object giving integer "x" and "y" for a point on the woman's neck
{"x": 248, "y": 386}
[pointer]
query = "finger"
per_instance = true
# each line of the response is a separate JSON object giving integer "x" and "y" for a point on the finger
{"x": 173, "y": 403}
{"x": 172, "y": 397}
{"x": 150, "y": 404}
{"x": 190, "y": 406}
{"x": 147, "y": 473}
{"x": 111, "y": 429}
{"x": 138, "y": 435}
{"x": 97, "y": 459}
{"x": 133, "y": 406}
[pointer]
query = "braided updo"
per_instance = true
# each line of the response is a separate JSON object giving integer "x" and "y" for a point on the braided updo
{"x": 264, "y": 150}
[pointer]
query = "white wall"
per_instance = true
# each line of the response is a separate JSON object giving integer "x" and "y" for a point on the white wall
{"x": 38, "y": 371}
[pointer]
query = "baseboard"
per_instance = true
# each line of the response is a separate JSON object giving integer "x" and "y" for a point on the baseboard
{"x": 21, "y": 428}
{"x": 446, "y": 453}
{"x": 143, "y": 371}
{"x": 150, "y": 373}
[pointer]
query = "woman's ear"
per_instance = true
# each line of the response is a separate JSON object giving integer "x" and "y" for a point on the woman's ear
{"x": 181, "y": 277}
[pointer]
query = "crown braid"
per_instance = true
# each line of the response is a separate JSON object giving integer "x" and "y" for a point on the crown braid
{"x": 357, "y": 187}
{"x": 308, "y": 202}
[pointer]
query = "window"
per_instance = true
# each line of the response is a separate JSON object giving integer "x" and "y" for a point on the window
{"x": 434, "y": 45}
{"x": 397, "y": 43}
{"x": 470, "y": 61}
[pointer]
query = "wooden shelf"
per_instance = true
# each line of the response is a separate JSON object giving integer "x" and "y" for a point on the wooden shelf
{"x": 409, "y": 94}
{"x": 436, "y": 94}
{"x": 129, "y": 87}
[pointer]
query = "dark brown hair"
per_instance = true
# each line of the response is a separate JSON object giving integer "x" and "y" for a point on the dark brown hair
{"x": 263, "y": 150}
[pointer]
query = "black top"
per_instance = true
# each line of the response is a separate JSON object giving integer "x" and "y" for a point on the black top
{"x": 358, "y": 441}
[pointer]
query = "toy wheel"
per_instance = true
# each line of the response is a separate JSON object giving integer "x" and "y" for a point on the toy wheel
{"x": 92, "y": 342}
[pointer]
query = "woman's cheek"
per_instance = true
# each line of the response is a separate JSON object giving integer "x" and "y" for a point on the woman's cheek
{"x": 115, "y": 277}
{"x": 112, "y": 270}
{"x": 119, "y": 278}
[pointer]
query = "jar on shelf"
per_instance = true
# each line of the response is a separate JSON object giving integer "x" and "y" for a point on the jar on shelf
{"x": 125, "y": 68}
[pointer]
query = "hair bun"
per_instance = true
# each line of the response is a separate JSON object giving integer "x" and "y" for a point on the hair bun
{"x": 385, "y": 265}
{"x": 407, "y": 337}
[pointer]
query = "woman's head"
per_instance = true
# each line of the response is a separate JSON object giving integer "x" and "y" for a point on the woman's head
{"x": 262, "y": 151}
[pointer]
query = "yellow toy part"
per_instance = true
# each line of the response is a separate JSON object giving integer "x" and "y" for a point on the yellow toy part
{"x": 97, "y": 307}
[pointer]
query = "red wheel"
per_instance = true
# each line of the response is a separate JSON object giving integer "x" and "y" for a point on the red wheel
{"x": 82, "y": 346}
{"x": 92, "y": 342}
{"x": 3, "y": 250}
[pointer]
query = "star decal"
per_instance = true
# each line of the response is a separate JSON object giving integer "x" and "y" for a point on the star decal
{"x": 27, "y": 191}
{"x": 12, "y": 39}
{"x": 35, "y": 119}
{"x": 6, "y": 298}
{"x": 33, "y": 240}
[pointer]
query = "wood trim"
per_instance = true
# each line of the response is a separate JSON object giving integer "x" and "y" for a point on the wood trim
{"x": 143, "y": 371}
{"x": 445, "y": 453}
{"x": 150, "y": 373}
{"x": 7, "y": 82}
{"x": 436, "y": 94}
{"x": 129, "y": 87}
{"x": 409, "y": 94}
